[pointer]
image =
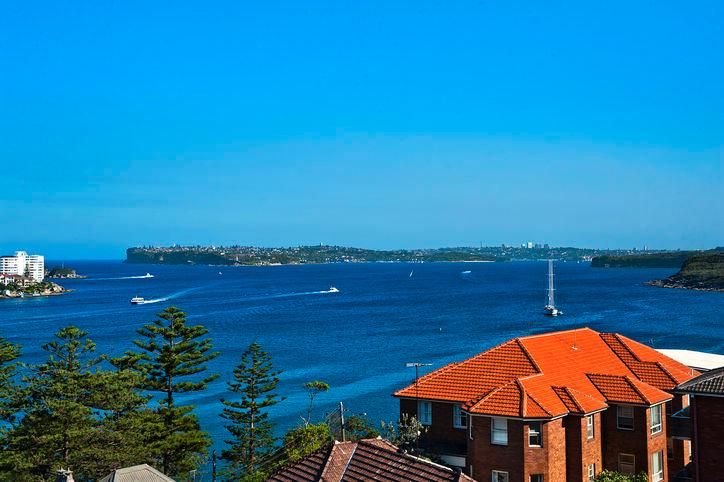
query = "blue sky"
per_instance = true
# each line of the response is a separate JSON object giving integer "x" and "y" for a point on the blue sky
{"x": 374, "y": 124}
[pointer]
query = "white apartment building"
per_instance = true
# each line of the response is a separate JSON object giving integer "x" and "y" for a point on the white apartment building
{"x": 32, "y": 266}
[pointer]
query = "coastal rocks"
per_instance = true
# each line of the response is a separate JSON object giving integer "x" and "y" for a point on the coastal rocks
{"x": 46, "y": 288}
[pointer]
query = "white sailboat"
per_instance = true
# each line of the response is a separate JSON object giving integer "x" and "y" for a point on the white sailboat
{"x": 550, "y": 308}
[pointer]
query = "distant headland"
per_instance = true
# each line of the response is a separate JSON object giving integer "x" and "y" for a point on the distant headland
{"x": 702, "y": 271}
{"x": 320, "y": 254}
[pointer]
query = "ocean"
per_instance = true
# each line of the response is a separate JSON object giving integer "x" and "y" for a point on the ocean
{"x": 359, "y": 339}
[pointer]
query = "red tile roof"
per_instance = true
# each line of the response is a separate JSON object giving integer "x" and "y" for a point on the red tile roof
{"x": 369, "y": 459}
{"x": 544, "y": 376}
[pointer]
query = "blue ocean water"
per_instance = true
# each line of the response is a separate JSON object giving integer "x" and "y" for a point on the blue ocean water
{"x": 358, "y": 340}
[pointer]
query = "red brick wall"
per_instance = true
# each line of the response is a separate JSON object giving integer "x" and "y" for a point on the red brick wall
{"x": 441, "y": 437}
{"x": 554, "y": 439}
{"x": 707, "y": 426}
{"x": 657, "y": 442}
{"x": 535, "y": 459}
{"x": 486, "y": 457}
{"x": 633, "y": 442}
{"x": 580, "y": 450}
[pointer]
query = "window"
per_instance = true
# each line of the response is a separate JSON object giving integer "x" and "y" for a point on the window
{"x": 657, "y": 466}
{"x": 589, "y": 426}
{"x": 499, "y": 431}
{"x": 656, "y": 419}
{"x": 535, "y": 438}
{"x": 624, "y": 417}
{"x": 536, "y": 478}
{"x": 627, "y": 464}
{"x": 591, "y": 471}
{"x": 460, "y": 418}
{"x": 424, "y": 412}
{"x": 500, "y": 476}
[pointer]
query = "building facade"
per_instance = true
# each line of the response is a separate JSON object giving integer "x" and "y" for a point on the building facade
{"x": 22, "y": 264}
{"x": 703, "y": 424}
{"x": 553, "y": 407}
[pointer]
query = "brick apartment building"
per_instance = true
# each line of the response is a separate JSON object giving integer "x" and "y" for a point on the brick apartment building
{"x": 561, "y": 406}
{"x": 703, "y": 425}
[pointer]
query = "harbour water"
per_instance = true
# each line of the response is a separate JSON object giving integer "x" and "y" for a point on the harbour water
{"x": 359, "y": 339}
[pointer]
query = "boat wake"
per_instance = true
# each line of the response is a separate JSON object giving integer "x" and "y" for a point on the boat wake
{"x": 332, "y": 289}
{"x": 145, "y": 276}
{"x": 169, "y": 297}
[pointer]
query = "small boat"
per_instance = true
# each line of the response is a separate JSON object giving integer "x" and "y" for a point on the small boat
{"x": 466, "y": 272}
{"x": 411, "y": 273}
{"x": 137, "y": 300}
{"x": 550, "y": 308}
{"x": 147, "y": 275}
{"x": 332, "y": 289}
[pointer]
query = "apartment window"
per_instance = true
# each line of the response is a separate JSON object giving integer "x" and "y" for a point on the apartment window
{"x": 624, "y": 417}
{"x": 591, "y": 471}
{"x": 657, "y": 466}
{"x": 656, "y": 419}
{"x": 499, "y": 431}
{"x": 627, "y": 464}
{"x": 460, "y": 418}
{"x": 535, "y": 437}
{"x": 500, "y": 476}
{"x": 589, "y": 426}
{"x": 536, "y": 478}
{"x": 424, "y": 412}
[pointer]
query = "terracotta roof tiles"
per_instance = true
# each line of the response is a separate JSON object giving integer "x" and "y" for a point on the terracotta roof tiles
{"x": 553, "y": 374}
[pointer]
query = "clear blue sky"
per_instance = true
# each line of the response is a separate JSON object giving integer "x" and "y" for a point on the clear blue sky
{"x": 375, "y": 124}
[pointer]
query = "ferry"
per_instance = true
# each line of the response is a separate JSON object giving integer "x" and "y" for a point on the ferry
{"x": 332, "y": 289}
{"x": 137, "y": 300}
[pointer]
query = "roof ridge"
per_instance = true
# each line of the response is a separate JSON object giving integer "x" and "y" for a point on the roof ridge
{"x": 568, "y": 392}
{"x": 330, "y": 449}
{"x": 527, "y": 395}
{"x": 666, "y": 372}
{"x": 704, "y": 377}
{"x": 636, "y": 389}
{"x": 528, "y": 355}
{"x": 494, "y": 391}
{"x": 583, "y": 328}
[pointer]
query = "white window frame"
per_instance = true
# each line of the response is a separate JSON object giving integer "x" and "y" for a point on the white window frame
{"x": 657, "y": 456}
{"x": 631, "y": 463}
{"x": 538, "y": 432}
{"x": 500, "y": 473}
{"x": 499, "y": 430}
{"x": 656, "y": 427}
{"x": 619, "y": 416}
{"x": 590, "y": 427}
{"x": 591, "y": 471}
{"x": 460, "y": 418}
{"x": 424, "y": 412}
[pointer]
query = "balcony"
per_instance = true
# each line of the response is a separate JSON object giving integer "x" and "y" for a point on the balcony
{"x": 680, "y": 424}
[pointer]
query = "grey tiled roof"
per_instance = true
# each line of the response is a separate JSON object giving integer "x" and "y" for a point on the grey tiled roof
{"x": 369, "y": 459}
{"x": 137, "y": 473}
{"x": 711, "y": 382}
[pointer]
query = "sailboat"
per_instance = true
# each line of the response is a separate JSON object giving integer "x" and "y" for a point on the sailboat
{"x": 550, "y": 308}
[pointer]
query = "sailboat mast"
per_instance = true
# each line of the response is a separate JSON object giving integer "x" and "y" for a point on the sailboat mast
{"x": 551, "y": 289}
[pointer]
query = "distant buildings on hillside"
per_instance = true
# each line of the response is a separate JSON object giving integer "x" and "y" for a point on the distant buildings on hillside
{"x": 22, "y": 264}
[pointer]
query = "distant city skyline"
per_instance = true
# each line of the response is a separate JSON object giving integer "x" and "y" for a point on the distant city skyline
{"x": 374, "y": 125}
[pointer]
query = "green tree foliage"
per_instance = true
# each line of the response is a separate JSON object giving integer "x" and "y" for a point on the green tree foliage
{"x": 72, "y": 408}
{"x": 254, "y": 384}
{"x": 302, "y": 441}
{"x": 172, "y": 360}
{"x": 9, "y": 353}
{"x": 358, "y": 427}
{"x": 612, "y": 476}
{"x": 313, "y": 388}
{"x": 407, "y": 432}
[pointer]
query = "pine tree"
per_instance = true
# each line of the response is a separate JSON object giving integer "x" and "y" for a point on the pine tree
{"x": 69, "y": 405}
{"x": 9, "y": 353}
{"x": 172, "y": 359}
{"x": 254, "y": 382}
